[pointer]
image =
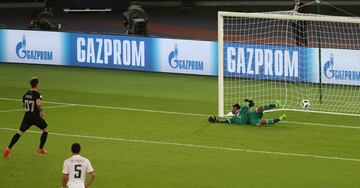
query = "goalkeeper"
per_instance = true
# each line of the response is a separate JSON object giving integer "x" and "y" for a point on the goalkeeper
{"x": 243, "y": 116}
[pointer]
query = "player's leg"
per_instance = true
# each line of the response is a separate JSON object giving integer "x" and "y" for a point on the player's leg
{"x": 254, "y": 117}
{"x": 264, "y": 122}
{"x": 261, "y": 109}
{"x": 41, "y": 124}
{"x": 25, "y": 125}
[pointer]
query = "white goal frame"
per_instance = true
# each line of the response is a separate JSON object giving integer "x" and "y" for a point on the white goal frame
{"x": 294, "y": 17}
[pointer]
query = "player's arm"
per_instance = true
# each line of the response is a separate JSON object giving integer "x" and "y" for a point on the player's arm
{"x": 39, "y": 104}
{"x": 91, "y": 179}
{"x": 223, "y": 121}
{"x": 23, "y": 102}
{"x": 65, "y": 179}
{"x": 91, "y": 171}
{"x": 213, "y": 119}
{"x": 249, "y": 103}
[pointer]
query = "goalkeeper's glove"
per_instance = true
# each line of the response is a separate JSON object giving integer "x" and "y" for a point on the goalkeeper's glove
{"x": 212, "y": 119}
{"x": 250, "y": 102}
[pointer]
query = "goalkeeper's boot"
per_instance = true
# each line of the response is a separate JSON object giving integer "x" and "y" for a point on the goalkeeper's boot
{"x": 6, "y": 152}
{"x": 42, "y": 151}
{"x": 282, "y": 117}
{"x": 278, "y": 104}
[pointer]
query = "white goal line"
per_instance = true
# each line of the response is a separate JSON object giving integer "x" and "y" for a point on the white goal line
{"x": 174, "y": 113}
{"x": 196, "y": 146}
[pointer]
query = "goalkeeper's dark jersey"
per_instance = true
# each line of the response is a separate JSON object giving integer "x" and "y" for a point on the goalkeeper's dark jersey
{"x": 29, "y": 100}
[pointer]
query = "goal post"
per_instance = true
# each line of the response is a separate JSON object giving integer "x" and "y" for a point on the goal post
{"x": 289, "y": 56}
{"x": 220, "y": 64}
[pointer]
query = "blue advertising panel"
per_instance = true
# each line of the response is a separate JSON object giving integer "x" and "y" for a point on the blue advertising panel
{"x": 109, "y": 51}
{"x": 272, "y": 62}
{"x": 267, "y": 62}
{"x": 142, "y": 54}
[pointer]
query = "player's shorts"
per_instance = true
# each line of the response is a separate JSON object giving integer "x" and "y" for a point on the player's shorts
{"x": 78, "y": 185}
{"x": 27, "y": 122}
{"x": 255, "y": 118}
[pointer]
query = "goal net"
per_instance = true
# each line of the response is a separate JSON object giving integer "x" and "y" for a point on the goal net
{"x": 289, "y": 57}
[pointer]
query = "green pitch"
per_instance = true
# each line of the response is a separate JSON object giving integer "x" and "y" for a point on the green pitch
{"x": 139, "y": 142}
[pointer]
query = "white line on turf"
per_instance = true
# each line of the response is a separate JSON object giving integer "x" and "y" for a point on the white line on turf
{"x": 178, "y": 113}
{"x": 195, "y": 146}
{"x": 47, "y": 107}
{"x": 323, "y": 125}
{"x": 117, "y": 108}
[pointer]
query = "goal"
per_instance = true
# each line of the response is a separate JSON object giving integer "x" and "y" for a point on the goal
{"x": 289, "y": 56}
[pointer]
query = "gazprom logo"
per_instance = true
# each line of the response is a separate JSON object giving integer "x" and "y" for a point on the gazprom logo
{"x": 263, "y": 62}
{"x": 24, "y": 53}
{"x": 184, "y": 64}
{"x": 329, "y": 68}
{"x": 331, "y": 73}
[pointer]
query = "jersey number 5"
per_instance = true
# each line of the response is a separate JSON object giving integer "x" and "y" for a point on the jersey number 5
{"x": 29, "y": 105}
{"x": 78, "y": 171}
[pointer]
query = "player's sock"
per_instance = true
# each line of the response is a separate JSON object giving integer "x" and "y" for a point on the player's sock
{"x": 269, "y": 106}
{"x": 43, "y": 140}
{"x": 272, "y": 121}
{"x": 14, "y": 139}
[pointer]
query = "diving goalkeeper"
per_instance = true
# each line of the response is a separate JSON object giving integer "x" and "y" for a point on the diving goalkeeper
{"x": 242, "y": 115}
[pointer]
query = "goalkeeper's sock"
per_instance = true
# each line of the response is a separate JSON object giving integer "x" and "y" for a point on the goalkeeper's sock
{"x": 14, "y": 140}
{"x": 272, "y": 121}
{"x": 269, "y": 106}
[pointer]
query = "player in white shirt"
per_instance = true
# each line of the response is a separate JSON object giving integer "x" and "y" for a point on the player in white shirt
{"x": 75, "y": 169}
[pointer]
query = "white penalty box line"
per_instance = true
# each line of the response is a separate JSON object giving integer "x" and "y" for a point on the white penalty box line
{"x": 62, "y": 104}
{"x": 47, "y": 107}
{"x": 195, "y": 146}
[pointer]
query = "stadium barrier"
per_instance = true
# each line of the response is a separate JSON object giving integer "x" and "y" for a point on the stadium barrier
{"x": 338, "y": 66}
{"x": 109, "y": 51}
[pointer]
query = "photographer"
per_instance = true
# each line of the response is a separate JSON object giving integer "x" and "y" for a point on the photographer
{"x": 135, "y": 19}
{"x": 44, "y": 21}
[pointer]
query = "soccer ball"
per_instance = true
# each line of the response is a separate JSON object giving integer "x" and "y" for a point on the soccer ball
{"x": 305, "y": 104}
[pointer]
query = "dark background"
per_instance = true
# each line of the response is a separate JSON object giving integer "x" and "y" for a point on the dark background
{"x": 174, "y": 19}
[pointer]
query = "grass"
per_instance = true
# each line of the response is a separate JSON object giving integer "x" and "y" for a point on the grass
{"x": 130, "y": 164}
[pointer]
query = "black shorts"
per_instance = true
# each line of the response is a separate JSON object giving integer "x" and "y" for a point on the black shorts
{"x": 27, "y": 122}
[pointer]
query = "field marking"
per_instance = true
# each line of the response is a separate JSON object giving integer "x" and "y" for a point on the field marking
{"x": 47, "y": 107}
{"x": 117, "y": 108}
{"x": 322, "y": 125}
{"x": 194, "y": 146}
{"x": 178, "y": 113}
